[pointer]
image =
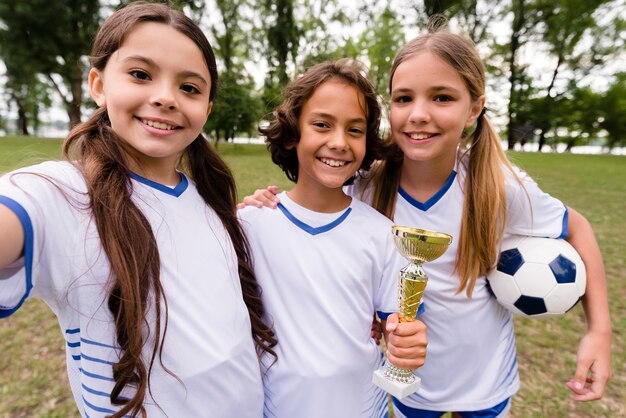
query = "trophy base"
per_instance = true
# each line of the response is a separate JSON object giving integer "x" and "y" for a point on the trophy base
{"x": 396, "y": 389}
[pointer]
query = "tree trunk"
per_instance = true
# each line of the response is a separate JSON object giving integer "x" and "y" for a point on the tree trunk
{"x": 518, "y": 24}
{"x": 73, "y": 111}
{"x": 542, "y": 140}
{"x": 22, "y": 121}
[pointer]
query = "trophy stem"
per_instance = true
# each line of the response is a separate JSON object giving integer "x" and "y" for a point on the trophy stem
{"x": 411, "y": 285}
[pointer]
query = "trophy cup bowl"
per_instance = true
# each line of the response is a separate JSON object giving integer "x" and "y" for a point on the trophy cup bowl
{"x": 418, "y": 246}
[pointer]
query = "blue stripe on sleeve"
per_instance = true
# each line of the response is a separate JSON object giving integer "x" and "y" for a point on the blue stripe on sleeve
{"x": 27, "y": 226}
{"x": 564, "y": 230}
{"x": 385, "y": 315}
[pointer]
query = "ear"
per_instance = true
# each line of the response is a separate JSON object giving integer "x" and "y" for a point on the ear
{"x": 475, "y": 110}
{"x": 208, "y": 109}
{"x": 96, "y": 87}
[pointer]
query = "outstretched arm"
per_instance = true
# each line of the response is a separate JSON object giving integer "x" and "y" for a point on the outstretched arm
{"x": 593, "y": 365}
{"x": 406, "y": 342}
{"x": 261, "y": 197}
{"x": 12, "y": 241}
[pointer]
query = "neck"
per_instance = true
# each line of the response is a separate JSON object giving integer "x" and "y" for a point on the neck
{"x": 323, "y": 201}
{"x": 422, "y": 179}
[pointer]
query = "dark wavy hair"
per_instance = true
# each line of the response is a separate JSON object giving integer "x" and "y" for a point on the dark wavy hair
{"x": 125, "y": 233}
{"x": 283, "y": 131}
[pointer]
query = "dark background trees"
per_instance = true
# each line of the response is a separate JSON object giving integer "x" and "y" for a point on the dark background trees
{"x": 553, "y": 64}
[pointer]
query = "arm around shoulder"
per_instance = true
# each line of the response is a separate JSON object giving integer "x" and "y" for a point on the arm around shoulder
{"x": 594, "y": 352}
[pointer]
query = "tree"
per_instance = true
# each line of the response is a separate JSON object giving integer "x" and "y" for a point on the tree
{"x": 565, "y": 26}
{"x": 282, "y": 37}
{"x": 612, "y": 109}
{"x": 380, "y": 44}
{"x": 56, "y": 36}
{"x": 236, "y": 109}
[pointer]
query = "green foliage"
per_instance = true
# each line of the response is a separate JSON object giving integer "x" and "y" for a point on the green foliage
{"x": 236, "y": 109}
{"x": 380, "y": 46}
{"x": 612, "y": 109}
{"x": 49, "y": 39}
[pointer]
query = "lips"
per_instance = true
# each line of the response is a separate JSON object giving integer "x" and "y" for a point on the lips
{"x": 159, "y": 125}
{"x": 332, "y": 162}
{"x": 420, "y": 136}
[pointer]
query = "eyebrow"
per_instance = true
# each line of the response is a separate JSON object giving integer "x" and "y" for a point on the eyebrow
{"x": 333, "y": 117}
{"x": 404, "y": 90}
{"x": 150, "y": 62}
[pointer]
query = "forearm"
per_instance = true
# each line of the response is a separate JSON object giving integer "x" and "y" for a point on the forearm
{"x": 595, "y": 300}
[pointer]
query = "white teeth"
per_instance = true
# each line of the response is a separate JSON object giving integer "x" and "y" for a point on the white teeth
{"x": 333, "y": 163}
{"x": 419, "y": 136}
{"x": 158, "y": 125}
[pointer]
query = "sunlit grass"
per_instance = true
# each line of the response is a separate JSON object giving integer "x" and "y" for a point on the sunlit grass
{"x": 33, "y": 381}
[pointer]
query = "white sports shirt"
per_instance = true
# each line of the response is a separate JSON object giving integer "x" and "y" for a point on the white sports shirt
{"x": 323, "y": 277}
{"x": 208, "y": 344}
{"x": 471, "y": 361}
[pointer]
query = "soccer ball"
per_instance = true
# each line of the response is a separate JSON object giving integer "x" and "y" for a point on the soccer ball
{"x": 537, "y": 277}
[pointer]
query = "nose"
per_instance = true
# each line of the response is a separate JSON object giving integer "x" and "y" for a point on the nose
{"x": 338, "y": 140}
{"x": 419, "y": 112}
{"x": 164, "y": 97}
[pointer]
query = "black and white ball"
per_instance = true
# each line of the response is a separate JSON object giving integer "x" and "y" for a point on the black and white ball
{"x": 538, "y": 277}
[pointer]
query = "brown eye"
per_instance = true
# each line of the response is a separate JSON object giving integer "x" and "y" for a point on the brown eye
{"x": 140, "y": 75}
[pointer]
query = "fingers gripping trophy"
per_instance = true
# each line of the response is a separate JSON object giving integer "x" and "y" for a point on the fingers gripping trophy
{"x": 418, "y": 246}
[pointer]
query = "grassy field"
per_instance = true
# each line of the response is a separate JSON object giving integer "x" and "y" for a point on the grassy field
{"x": 32, "y": 360}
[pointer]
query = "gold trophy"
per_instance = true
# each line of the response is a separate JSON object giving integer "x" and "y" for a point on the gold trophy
{"x": 418, "y": 246}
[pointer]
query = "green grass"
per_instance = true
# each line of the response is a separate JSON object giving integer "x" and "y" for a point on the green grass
{"x": 33, "y": 381}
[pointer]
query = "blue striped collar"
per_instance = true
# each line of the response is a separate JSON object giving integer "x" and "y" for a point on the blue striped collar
{"x": 310, "y": 229}
{"x": 173, "y": 191}
{"x": 430, "y": 202}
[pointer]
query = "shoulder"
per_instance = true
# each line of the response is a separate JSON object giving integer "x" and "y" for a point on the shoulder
{"x": 252, "y": 214}
{"x": 59, "y": 173}
{"x": 370, "y": 215}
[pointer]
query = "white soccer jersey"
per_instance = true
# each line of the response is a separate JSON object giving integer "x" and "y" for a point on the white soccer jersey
{"x": 323, "y": 277}
{"x": 208, "y": 345}
{"x": 471, "y": 362}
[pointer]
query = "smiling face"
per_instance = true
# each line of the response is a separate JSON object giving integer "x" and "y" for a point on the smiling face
{"x": 333, "y": 126}
{"x": 430, "y": 107}
{"x": 155, "y": 88}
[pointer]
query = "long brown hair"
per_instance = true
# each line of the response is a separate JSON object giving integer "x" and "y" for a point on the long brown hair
{"x": 485, "y": 206}
{"x": 125, "y": 233}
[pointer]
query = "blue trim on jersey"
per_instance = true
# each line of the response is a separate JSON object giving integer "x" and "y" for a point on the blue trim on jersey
{"x": 72, "y": 331}
{"x": 310, "y": 229}
{"x": 95, "y": 392}
{"x": 27, "y": 226}
{"x": 430, "y": 202}
{"x": 492, "y": 412}
{"x": 564, "y": 229}
{"x": 97, "y": 344}
{"x": 176, "y": 191}
{"x": 385, "y": 315}
{"x": 97, "y": 408}
{"x": 95, "y": 376}
{"x": 96, "y": 360}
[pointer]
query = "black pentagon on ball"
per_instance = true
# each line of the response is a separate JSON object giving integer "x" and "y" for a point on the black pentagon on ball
{"x": 510, "y": 261}
{"x": 531, "y": 305}
{"x": 564, "y": 269}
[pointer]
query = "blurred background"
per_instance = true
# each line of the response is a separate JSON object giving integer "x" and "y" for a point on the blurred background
{"x": 557, "y": 68}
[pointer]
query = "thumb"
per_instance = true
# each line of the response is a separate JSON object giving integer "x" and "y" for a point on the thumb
{"x": 392, "y": 322}
{"x": 580, "y": 377}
